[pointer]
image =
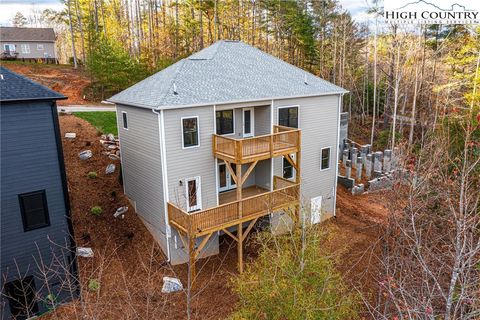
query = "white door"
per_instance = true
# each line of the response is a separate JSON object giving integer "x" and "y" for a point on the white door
{"x": 193, "y": 194}
{"x": 225, "y": 179}
{"x": 316, "y": 210}
{"x": 248, "y": 122}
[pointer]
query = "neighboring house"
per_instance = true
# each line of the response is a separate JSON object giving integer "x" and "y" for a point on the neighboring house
{"x": 212, "y": 143}
{"x": 38, "y": 266}
{"x": 28, "y": 43}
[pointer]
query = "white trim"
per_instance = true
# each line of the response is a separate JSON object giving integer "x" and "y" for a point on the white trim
{"x": 40, "y": 47}
{"x": 215, "y": 158}
{"x": 121, "y": 155}
{"x": 198, "y": 131}
{"x": 10, "y": 44}
{"x": 272, "y": 173}
{"x": 252, "y": 122}
{"x": 123, "y": 120}
{"x": 25, "y": 47}
{"x": 219, "y": 103}
{"x": 163, "y": 164}
{"x": 329, "y": 158}
{"x": 198, "y": 191}
{"x": 291, "y": 106}
{"x": 336, "y": 157}
{"x": 233, "y": 117}
{"x": 228, "y": 178}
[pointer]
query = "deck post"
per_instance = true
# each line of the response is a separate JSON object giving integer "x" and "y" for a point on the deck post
{"x": 240, "y": 214}
{"x": 191, "y": 256}
{"x": 298, "y": 171}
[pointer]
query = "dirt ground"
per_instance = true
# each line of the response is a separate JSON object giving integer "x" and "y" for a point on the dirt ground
{"x": 129, "y": 265}
{"x": 61, "y": 78}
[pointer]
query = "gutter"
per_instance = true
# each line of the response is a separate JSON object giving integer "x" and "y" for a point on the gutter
{"x": 163, "y": 155}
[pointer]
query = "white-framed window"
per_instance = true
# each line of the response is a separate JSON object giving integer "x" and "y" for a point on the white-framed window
{"x": 25, "y": 48}
{"x": 288, "y": 116}
{"x": 193, "y": 193}
{"x": 190, "y": 132}
{"x": 9, "y": 47}
{"x": 225, "y": 121}
{"x": 125, "y": 120}
{"x": 39, "y": 47}
{"x": 325, "y": 158}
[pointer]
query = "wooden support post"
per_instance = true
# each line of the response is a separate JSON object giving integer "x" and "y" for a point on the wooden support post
{"x": 249, "y": 170}
{"x": 240, "y": 213}
{"x": 191, "y": 256}
{"x": 271, "y": 145}
{"x": 240, "y": 248}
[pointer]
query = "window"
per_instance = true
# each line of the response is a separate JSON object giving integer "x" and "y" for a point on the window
{"x": 125, "y": 120}
{"x": 287, "y": 169}
{"x": 225, "y": 122}
{"x": 288, "y": 117}
{"x": 325, "y": 158}
{"x": 21, "y": 297}
{"x": 9, "y": 47}
{"x": 34, "y": 210}
{"x": 39, "y": 47}
{"x": 25, "y": 48}
{"x": 194, "y": 201}
{"x": 190, "y": 132}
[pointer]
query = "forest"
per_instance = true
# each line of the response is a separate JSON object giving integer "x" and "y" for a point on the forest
{"x": 411, "y": 87}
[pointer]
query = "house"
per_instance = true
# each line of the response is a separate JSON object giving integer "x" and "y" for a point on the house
{"x": 225, "y": 138}
{"x": 28, "y": 43}
{"x": 38, "y": 266}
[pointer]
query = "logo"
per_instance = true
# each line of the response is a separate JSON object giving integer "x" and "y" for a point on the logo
{"x": 432, "y": 11}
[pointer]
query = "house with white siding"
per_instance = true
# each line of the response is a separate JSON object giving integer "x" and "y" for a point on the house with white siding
{"x": 224, "y": 139}
{"x": 28, "y": 44}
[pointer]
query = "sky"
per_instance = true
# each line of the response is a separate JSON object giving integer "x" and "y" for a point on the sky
{"x": 8, "y": 8}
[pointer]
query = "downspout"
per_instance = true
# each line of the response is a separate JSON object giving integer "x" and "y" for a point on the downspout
{"x": 163, "y": 155}
{"x": 340, "y": 98}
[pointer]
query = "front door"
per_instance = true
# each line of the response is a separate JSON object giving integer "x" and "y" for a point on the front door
{"x": 248, "y": 122}
{"x": 225, "y": 179}
{"x": 194, "y": 194}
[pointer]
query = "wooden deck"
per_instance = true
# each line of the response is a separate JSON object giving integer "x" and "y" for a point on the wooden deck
{"x": 231, "y": 196}
{"x": 282, "y": 141}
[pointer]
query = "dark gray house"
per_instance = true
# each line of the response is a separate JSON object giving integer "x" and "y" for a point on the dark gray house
{"x": 38, "y": 266}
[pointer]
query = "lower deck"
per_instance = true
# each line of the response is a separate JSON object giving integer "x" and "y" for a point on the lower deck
{"x": 230, "y": 196}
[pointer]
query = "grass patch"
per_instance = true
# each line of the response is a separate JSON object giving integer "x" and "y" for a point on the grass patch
{"x": 104, "y": 121}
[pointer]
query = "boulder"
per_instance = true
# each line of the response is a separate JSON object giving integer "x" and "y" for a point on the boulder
{"x": 110, "y": 137}
{"x": 84, "y": 155}
{"x": 120, "y": 212}
{"x": 110, "y": 169}
{"x": 171, "y": 285}
{"x": 84, "y": 252}
{"x": 70, "y": 135}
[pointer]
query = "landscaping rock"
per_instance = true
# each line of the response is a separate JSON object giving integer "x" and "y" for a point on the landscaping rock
{"x": 84, "y": 155}
{"x": 171, "y": 285}
{"x": 120, "y": 212}
{"x": 70, "y": 135}
{"x": 110, "y": 137}
{"x": 84, "y": 252}
{"x": 113, "y": 157}
{"x": 110, "y": 169}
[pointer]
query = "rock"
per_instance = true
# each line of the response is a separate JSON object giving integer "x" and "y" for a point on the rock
{"x": 84, "y": 155}
{"x": 110, "y": 169}
{"x": 113, "y": 157}
{"x": 112, "y": 147}
{"x": 120, "y": 212}
{"x": 171, "y": 285}
{"x": 103, "y": 137}
{"x": 84, "y": 252}
{"x": 110, "y": 137}
{"x": 70, "y": 135}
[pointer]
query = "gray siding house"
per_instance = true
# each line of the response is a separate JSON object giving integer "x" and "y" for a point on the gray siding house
{"x": 223, "y": 139}
{"x": 38, "y": 266}
{"x": 28, "y": 43}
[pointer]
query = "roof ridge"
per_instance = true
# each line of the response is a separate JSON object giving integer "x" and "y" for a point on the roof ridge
{"x": 172, "y": 82}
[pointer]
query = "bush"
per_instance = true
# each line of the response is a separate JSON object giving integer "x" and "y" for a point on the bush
{"x": 92, "y": 175}
{"x": 280, "y": 284}
{"x": 96, "y": 211}
{"x": 384, "y": 138}
{"x": 93, "y": 285}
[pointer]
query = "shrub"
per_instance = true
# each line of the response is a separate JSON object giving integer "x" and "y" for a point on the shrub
{"x": 92, "y": 175}
{"x": 93, "y": 285}
{"x": 286, "y": 282}
{"x": 96, "y": 211}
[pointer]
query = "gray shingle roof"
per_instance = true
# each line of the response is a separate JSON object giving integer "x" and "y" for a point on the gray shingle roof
{"x": 14, "y": 87}
{"x": 226, "y": 71}
{"x": 27, "y": 34}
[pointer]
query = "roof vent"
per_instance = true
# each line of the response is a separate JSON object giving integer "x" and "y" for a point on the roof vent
{"x": 1, "y": 77}
{"x": 305, "y": 79}
{"x": 175, "y": 88}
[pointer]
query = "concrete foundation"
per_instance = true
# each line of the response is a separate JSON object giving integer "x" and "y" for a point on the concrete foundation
{"x": 358, "y": 189}
{"x": 345, "y": 158}
{"x": 387, "y": 161}
{"x": 348, "y": 168}
{"x": 368, "y": 166}
{"x": 377, "y": 161}
{"x": 383, "y": 182}
{"x": 349, "y": 183}
{"x": 359, "y": 169}
{"x": 354, "y": 157}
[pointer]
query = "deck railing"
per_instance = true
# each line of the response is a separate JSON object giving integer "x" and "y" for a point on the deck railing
{"x": 229, "y": 214}
{"x": 283, "y": 140}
